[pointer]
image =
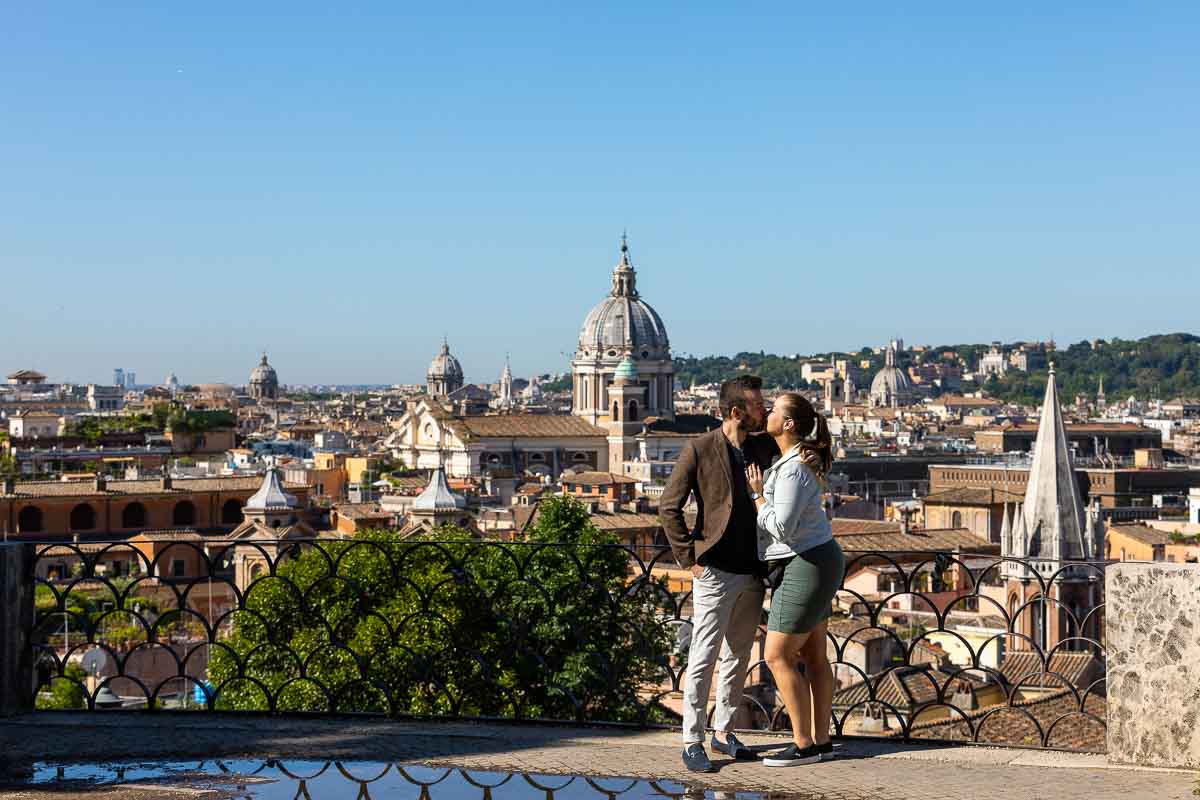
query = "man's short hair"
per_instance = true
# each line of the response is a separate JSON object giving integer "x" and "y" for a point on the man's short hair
{"x": 733, "y": 393}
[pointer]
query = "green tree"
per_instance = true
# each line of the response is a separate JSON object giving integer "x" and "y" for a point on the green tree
{"x": 447, "y": 625}
{"x": 65, "y": 694}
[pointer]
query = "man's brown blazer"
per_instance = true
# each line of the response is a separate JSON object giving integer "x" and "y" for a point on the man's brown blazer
{"x": 704, "y": 469}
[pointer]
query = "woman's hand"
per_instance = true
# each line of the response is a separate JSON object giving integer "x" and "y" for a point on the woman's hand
{"x": 754, "y": 478}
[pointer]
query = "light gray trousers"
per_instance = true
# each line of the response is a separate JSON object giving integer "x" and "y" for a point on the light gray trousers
{"x": 726, "y": 610}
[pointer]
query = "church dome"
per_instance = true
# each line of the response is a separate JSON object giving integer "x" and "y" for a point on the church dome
{"x": 264, "y": 372}
{"x": 445, "y": 365}
{"x": 891, "y": 386}
{"x": 623, "y": 323}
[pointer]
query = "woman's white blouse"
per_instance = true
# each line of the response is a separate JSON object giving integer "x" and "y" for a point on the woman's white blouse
{"x": 793, "y": 519}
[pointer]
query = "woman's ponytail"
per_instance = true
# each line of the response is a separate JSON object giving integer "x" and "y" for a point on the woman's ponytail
{"x": 816, "y": 445}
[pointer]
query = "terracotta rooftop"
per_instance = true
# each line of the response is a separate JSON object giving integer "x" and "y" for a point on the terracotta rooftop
{"x": 857, "y": 629}
{"x": 893, "y": 540}
{"x": 233, "y": 483}
{"x": 547, "y": 426}
{"x": 904, "y": 687}
{"x": 1077, "y": 669}
{"x": 1142, "y": 533}
{"x": 959, "y": 400}
{"x": 1074, "y": 732}
{"x": 596, "y": 478}
{"x": 972, "y": 496}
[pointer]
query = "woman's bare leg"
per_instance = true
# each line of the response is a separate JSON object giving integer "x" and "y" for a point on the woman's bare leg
{"x": 783, "y": 657}
{"x": 820, "y": 680}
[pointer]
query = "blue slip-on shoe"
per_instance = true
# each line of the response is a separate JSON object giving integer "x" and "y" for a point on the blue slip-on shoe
{"x": 793, "y": 756}
{"x": 826, "y": 751}
{"x": 696, "y": 760}
{"x": 732, "y": 747}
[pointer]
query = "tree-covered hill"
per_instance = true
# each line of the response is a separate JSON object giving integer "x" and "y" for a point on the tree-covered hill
{"x": 1164, "y": 366}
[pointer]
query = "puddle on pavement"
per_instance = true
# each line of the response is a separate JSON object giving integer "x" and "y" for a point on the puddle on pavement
{"x": 362, "y": 780}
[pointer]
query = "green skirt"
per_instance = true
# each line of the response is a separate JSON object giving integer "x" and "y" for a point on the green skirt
{"x": 805, "y": 593}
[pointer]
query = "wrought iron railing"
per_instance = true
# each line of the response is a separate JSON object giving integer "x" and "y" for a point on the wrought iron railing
{"x": 923, "y": 645}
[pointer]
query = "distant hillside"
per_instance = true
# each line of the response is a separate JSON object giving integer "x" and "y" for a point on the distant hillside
{"x": 1163, "y": 366}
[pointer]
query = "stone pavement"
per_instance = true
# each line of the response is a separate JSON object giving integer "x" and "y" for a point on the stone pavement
{"x": 864, "y": 769}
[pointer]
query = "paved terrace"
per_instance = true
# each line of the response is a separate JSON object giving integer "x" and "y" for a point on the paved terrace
{"x": 871, "y": 770}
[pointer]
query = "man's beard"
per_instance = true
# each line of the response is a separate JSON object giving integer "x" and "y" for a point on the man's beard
{"x": 746, "y": 426}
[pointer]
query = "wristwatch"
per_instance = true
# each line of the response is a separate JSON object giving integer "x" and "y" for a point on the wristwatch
{"x": 755, "y": 495}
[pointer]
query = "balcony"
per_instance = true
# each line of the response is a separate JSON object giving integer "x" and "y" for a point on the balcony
{"x": 384, "y": 650}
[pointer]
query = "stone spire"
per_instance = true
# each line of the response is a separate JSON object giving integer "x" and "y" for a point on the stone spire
{"x": 1006, "y": 533}
{"x": 506, "y": 385}
{"x": 1053, "y": 511}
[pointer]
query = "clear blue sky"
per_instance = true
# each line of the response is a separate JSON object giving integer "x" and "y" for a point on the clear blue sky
{"x": 180, "y": 187}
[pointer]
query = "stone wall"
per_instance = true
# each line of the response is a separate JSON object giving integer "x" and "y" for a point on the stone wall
{"x": 1153, "y": 648}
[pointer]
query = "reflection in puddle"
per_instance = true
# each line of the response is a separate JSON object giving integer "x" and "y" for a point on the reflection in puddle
{"x": 363, "y": 780}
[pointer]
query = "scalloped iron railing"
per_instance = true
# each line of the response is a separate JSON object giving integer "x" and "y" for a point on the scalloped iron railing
{"x": 934, "y": 646}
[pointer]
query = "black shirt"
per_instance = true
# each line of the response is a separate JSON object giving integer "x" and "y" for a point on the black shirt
{"x": 737, "y": 550}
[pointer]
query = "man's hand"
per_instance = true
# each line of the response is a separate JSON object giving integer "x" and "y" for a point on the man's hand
{"x": 697, "y": 570}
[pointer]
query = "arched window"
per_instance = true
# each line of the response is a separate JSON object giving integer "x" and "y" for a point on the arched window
{"x": 616, "y": 413}
{"x": 29, "y": 520}
{"x": 956, "y": 520}
{"x": 83, "y": 518}
{"x": 133, "y": 516}
{"x": 184, "y": 514}
{"x": 231, "y": 512}
{"x": 633, "y": 411}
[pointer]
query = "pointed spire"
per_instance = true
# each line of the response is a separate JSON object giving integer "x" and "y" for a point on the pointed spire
{"x": 1053, "y": 507}
{"x": 1095, "y": 532}
{"x": 438, "y": 496}
{"x": 1006, "y": 532}
{"x": 271, "y": 495}
{"x": 1020, "y": 535}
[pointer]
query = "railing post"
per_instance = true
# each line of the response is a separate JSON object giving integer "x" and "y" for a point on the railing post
{"x": 1153, "y": 648}
{"x": 16, "y": 624}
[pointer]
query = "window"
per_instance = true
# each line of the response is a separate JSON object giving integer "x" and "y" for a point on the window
{"x": 231, "y": 511}
{"x": 177, "y": 568}
{"x": 83, "y": 518}
{"x": 133, "y": 516}
{"x": 956, "y": 520}
{"x": 184, "y": 514}
{"x": 29, "y": 520}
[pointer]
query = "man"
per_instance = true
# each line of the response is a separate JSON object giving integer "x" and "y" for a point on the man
{"x": 727, "y": 586}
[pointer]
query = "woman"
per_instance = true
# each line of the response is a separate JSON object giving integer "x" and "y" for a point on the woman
{"x": 793, "y": 528}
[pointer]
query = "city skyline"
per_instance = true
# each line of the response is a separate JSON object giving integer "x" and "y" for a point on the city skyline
{"x": 343, "y": 189}
{"x": 105, "y": 376}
